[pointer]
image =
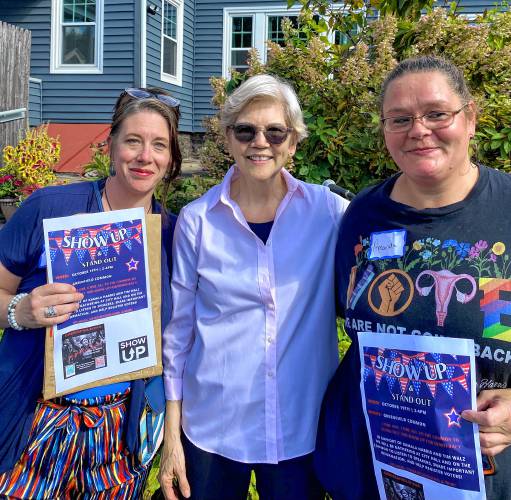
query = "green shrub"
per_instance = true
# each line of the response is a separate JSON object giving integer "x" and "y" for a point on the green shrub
{"x": 338, "y": 85}
{"x": 99, "y": 164}
{"x": 184, "y": 190}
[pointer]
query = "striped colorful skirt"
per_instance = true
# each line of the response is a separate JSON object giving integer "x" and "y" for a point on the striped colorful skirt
{"x": 75, "y": 450}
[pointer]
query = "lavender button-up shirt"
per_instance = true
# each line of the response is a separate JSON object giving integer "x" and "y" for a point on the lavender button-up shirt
{"x": 252, "y": 342}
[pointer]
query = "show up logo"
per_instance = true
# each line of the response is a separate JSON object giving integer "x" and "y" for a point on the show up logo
{"x": 133, "y": 349}
{"x": 93, "y": 239}
{"x": 420, "y": 369}
{"x": 431, "y": 371}
{"x": 90, "y": 242}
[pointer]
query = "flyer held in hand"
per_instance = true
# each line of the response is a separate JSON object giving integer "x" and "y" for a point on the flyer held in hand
{"x": 413, "y": 392}
{"x": 111, "y": 337}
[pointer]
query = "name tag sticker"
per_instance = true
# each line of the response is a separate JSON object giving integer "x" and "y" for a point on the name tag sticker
{"x": 387, "y": 244}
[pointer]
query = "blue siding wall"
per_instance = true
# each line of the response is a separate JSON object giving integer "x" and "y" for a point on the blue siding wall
{"x": 78, "y": 98}
{"x": 475, "y": 6}
{"x": 184, "y": 92}
{"x": 35, "y": 102}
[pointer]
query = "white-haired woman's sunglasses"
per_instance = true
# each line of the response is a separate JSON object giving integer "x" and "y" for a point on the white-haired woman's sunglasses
{"x": 246, "y": 132}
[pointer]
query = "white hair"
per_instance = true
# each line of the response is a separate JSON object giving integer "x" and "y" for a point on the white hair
{"x": 265, "y": 87}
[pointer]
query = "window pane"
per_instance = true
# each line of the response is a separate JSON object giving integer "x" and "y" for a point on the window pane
{"x": 239, "y": 58}
{"x": 170, "y": 20}
{"x": 342, "y": 38}
{"x": 236, "y": 24}
{"x": 68, "y": 13}
{"x": 247, "y": 24}
{"x": 169, "y": 56}
{"x": 78, "y": 44}
{"x": 79, "y": 11}
{"x": 275, "y": 33}
{"x": 90, "y": 11}
{"x": 247, "y": 40}
{"x": 241, "y": 32}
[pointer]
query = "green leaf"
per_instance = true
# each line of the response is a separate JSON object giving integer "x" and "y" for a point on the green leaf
{"x": 497, "y": 135}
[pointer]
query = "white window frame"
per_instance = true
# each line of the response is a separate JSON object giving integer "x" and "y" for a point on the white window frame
{"x": 259, "y": 29}
{"x": 176, "y": 79}
{"x": 260, "y": 16}
{"x": 56, "y": 42}
{"x": 228, "y": 39}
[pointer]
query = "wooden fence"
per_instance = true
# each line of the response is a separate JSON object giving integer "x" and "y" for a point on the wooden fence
{"x": 14, "y": 81}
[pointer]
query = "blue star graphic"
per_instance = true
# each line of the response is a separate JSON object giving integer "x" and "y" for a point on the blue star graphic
{"x": 132, "y": 264}
{"x": 453, "y": 417}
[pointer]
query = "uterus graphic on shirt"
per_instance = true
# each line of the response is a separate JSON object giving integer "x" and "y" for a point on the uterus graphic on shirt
{"x": 431, "y": 275}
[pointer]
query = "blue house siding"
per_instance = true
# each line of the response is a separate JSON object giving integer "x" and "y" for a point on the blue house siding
{"x": 78, "y": 98}
{"x": 184, "y": 91}
{"x": 474, "y": 6}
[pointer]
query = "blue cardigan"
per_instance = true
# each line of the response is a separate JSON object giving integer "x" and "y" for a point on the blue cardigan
{"x": 22, "y": 353}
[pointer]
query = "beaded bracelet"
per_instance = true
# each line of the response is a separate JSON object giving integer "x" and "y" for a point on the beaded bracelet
{"x": 11, "y": 311}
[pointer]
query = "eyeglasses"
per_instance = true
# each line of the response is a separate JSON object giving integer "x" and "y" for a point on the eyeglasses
{"x": 246, "y": 132}
{"x": 143, "y": 94}
{"x": 432, "y": 120}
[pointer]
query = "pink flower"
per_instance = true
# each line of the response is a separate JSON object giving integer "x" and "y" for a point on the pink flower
{"x": 473, "y": 252}
{"x": 493, "y": 257}
{"x": 481, "y": 245}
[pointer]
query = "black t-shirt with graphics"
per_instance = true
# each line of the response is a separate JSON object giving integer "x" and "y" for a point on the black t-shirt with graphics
{"x": 440, "y": 272}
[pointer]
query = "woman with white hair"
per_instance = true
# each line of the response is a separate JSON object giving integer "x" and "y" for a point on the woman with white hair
{"x": 252, "y": 343}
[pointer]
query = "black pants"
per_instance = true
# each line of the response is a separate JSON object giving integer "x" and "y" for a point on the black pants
{"x": 213, "y": 477}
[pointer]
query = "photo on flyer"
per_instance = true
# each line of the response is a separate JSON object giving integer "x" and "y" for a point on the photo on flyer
{"x": 84, "y": 350}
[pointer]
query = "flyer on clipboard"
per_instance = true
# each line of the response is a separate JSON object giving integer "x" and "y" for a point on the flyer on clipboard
{"x": 104, "y": 255}
{"x": 413, "y": 392}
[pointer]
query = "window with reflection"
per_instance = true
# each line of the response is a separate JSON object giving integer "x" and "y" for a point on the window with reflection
{"x": 241, "y": 42}
{"x": 76, "y": 36}
{"x": 78, "y": 32}
{"x": 170, "y": 40}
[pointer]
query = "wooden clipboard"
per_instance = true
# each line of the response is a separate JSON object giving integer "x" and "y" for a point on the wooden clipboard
{"x": 153, "y": 232}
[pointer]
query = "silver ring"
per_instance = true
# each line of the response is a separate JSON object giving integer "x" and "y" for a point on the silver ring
{"x": 50, "y": 312}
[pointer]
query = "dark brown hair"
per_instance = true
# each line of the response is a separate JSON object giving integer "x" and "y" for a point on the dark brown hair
{"x": 426, "y": 64}
{"x": 127, "y": 105}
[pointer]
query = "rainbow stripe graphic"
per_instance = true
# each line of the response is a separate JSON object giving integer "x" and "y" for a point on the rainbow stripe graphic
{"x": 495, "y": 307}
